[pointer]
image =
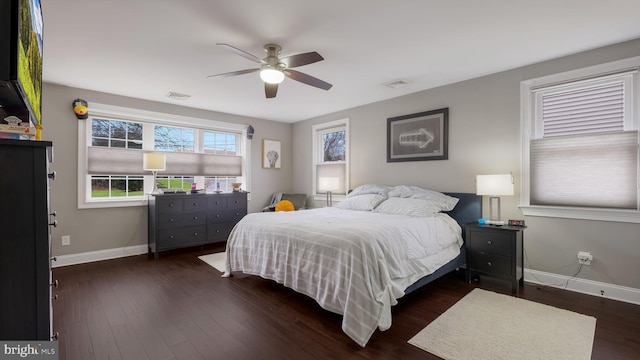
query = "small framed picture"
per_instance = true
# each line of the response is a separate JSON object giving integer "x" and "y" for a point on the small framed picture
{"x": 271, "y": 154}
{"x": 420, "y": 136}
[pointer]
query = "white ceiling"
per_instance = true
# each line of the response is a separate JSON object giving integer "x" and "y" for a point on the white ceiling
{"x": 148, "y": 48}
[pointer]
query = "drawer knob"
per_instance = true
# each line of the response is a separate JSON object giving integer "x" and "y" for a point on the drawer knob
{"x": 195, "y": 234}
{"x": 55, "y": 336}
{"x": 52, "y": 175}
{"x": 54, "y": 258}
{"x": 489, "y": 263}
{"x": 54, "y": 223}
{"x": 54, "y": 297}
{"x": 195, "y": 204}
{"x": 170, "y": 236}
{"x": 489, "y": 242}
{"x": 217, "y": 230}
{"x": 171, "y": 205}
{"x": 54, "y": 284}
{"x": 217, "y": 215}
{"x": 195, "y": 218}
{"x": 171, "y": 220}
{"x": 217, "y": 202}
{"x": 54, "y": 214}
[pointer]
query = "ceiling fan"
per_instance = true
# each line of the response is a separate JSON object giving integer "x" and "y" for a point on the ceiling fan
{"x": 273, "y": 69}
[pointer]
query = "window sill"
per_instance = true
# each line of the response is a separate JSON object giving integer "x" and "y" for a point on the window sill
{"x": 98, "y": 204}
{"x": 626, "y": 216}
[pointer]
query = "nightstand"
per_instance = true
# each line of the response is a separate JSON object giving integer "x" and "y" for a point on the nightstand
{"x": 495, "y": 251}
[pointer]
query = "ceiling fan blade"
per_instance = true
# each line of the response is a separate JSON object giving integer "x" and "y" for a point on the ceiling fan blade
{"x": 307, "y": 79}
{"x": 301, "y": 59}
{"x": 234, "y": 73}
{"x": 270, "y": 90}
{"x": 242, "y": 53}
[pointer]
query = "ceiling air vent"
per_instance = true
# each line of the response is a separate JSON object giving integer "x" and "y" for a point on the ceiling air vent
{"x": 177, "y": 96}
{"x": 397, "y": 83}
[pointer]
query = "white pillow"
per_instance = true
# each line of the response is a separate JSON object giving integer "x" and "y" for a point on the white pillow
{"x": 370, "y": 189}
{"x": 366, "y": 202}
{"x": 407, "y": 206}
{"x": 441, "y": 201}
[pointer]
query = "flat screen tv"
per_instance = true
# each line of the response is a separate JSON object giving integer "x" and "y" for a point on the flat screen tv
{"x": 21, "y": 59}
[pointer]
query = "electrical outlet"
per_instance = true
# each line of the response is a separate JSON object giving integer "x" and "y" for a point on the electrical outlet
{"x": 584, "y": 258}
{"x": 66, "y": 240}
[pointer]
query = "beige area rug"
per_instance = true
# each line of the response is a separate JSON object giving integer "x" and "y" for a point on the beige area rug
{"x": 216, "y": 260}
{"x": 487, "y": 325}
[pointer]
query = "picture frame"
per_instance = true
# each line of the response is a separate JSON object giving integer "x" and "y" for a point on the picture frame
{"x": 271, "y": 154}
{"x": 420, "y": 136}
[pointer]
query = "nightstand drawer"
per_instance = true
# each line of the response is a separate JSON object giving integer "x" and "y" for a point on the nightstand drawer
{"x": 495, "y": 242}
{"x": 491, "y": 264}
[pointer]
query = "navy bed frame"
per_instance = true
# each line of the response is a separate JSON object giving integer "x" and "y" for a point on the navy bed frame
{"x": 468, "y": 209}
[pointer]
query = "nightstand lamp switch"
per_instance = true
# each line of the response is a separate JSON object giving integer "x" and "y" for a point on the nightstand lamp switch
{"x": 494, "y": 186}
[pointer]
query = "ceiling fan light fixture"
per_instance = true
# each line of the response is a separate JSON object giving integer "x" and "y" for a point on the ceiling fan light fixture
{"x": 271, "y": 76}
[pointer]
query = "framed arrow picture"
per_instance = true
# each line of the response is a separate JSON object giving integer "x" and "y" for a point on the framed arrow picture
{"x": 417, "y": 137}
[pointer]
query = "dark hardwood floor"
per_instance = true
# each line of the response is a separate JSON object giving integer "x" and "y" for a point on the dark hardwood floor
{"x": 178, "y": 307}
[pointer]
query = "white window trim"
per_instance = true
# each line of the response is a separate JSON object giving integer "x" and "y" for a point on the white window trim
{"x": 130, "y": 114}
{"x": 315, "y": 129}
{"x": 528, "y": 131}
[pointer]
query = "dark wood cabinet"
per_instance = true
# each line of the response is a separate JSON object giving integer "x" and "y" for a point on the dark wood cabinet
{"x": 182, "y": 220}
{"x": 495, "y": 251}
{"x": 25, "y": 241}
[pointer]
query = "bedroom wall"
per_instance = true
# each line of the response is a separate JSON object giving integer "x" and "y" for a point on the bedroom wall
{"x": 484, "y": 138}
{"x": 111, "y": 228}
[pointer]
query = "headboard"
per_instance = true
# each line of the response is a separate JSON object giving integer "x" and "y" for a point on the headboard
{"x": 468, "y": 209}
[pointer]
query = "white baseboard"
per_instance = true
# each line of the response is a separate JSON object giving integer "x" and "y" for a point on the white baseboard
{"x": 589, "y": 287}
{"x": 73, "y": 259}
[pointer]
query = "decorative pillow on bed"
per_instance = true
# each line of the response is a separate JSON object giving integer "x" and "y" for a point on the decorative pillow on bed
{"x": 441, "y": 201}
{"x": 285, "y": 205}
{"x": 408, "y": 206}
{"x": 370, "y": 189}
{"x": 366, "y": 202}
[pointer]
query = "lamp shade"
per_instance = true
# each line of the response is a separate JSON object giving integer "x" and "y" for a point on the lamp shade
{"x": 494, "y": 185}
{"x": 154, "y": 162}
{"x": 328, "y": 184}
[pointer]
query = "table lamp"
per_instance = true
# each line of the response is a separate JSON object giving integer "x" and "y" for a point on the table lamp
{"x": 154, "y": 162}
{"x": 494, "y": 186}
{"x": 328, "y": 184}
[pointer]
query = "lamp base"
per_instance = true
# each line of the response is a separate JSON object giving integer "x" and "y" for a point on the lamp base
{"x": 495, "y": 222}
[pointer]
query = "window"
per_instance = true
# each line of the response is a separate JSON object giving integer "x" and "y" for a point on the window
{"x": 580, "y": 142}
{"x": 331, "y": 158}
{"x": 112, "y": 142}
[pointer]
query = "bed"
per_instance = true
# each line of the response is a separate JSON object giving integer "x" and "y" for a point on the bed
{"x": 359, "y": 257}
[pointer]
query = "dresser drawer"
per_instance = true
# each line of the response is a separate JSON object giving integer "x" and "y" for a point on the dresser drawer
{"x": 237, "y": 202}
{"x": 491, "y": 264}
{"x": 169, "y": 205}
{"x": 229, "y": 215}
{"x": 167, "y": 221}
{"x": 184, "y": 236}
{"x": 219, "y": 232}
{"x": 495, "y": 242}
{"x": 217, "y": 203}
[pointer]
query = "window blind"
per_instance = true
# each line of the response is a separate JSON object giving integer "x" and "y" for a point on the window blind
{"x": 116, "y": 161}
{"x": 584, "y": 110}
{"x": 590, "y": 170}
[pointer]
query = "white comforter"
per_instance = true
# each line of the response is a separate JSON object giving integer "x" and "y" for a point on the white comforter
{"x": 354, "y": 263}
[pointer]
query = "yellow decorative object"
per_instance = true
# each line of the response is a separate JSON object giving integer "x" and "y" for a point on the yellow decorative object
{"x": 38, "y": 132}
{"x": 285, "y": 205}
